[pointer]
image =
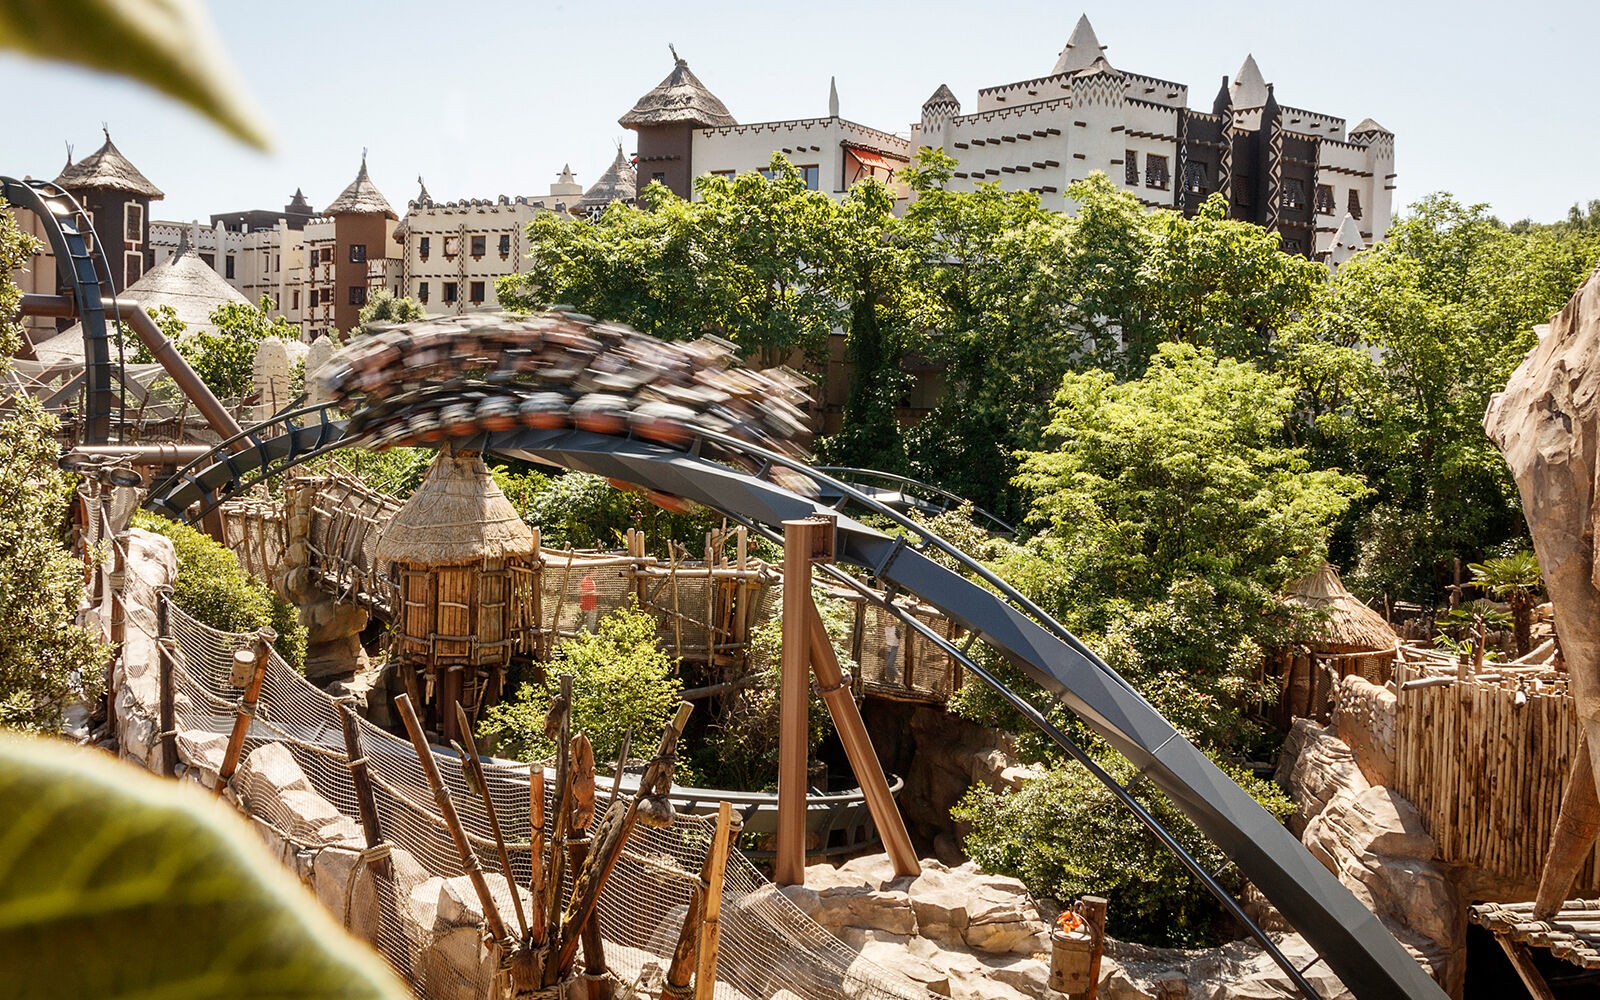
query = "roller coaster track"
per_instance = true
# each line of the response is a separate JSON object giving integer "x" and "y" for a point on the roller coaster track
{"x": 1345, "y": 934}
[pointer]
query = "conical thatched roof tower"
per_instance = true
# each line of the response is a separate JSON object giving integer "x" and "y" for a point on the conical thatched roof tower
{"x": 1351, "y": 625}
{"x": 465, "y": 592}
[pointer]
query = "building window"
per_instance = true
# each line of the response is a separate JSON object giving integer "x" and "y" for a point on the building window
{"x": 277, "y": 262}
{"x": 227, "y": 266}
{"x": 1292, "y": 245}
{"x": 658, "y": 178}
{"x": 449, "y": 292}
{"x": 1130, "y": 168}
{"x": 325, "y": 255}
{"x": 505, "y": 245}
{"x": 210, "y": 259}
{"x": 422, "y": 291}
{"x": 475, "y": 292}
{"x": 327, "y": 296}
{"x": 358, "y": 253}
{"x": 480, "y": 246}
{"x": 1155, "y": 172}
{"x": 358, "y": 295}
{"x": 1325, "y": 202}
{"x": 723, "y": 173}
{"x": 1241, "y": 191}
{"x": 133, "y": 222}
{"x": 812, "y": 175}
{"x": 449, "y": 246}
{"x": 1354, "y": 206}
{"x": 422, "y": 248}
{"x": 1294, "y": 194}
{"x": 1194, "y": 179}
{"x": 132, "y": 267}
{"x": 295, "y": 299}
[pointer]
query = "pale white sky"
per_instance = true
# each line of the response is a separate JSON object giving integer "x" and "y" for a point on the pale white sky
{"x": 1491, "y": 101}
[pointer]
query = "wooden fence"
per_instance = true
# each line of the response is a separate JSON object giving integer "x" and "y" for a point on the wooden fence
{"x": 1485, "y": 763}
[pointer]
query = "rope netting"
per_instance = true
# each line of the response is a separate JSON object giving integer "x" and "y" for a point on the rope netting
{"x": 768, "y": 947}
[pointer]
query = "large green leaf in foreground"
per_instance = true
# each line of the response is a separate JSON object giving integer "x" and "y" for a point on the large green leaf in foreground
{"x": 167, "y": 44}
{"x": 117, "y": 884}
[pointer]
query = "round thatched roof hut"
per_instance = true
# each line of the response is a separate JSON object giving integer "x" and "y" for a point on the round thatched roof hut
{"x": 464, "y": 569}
{"x": 1353, "y": 639}
{"x": 1351, "y": 626}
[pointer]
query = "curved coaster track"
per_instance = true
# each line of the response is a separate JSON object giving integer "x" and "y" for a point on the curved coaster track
{"x": 1347, "y": 936}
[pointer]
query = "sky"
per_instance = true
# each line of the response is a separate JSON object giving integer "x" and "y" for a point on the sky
{"x": 1491, "y": 102}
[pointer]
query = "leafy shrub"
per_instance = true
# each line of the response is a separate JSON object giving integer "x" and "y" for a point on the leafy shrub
{"x": 46, "y": 660}
{"x": 740, "y": 749}
{"x": 216, "y": 590}
{"x": 620, "y": 679}
{"x": 1065, "y": 835}
{"x": 587, "y": 512}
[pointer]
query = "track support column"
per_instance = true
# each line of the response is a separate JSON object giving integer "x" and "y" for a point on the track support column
{"x": 794, "y": 697}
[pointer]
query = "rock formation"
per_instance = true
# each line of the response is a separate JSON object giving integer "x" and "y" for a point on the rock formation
{"x": 1547, "y": 425}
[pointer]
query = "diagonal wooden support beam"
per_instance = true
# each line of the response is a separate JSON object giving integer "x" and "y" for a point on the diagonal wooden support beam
{"x": 833, "y": 684}
{"x": 1577, "y": 826}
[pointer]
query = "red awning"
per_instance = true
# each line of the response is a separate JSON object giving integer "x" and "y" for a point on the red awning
{"x": 873, "y": 161}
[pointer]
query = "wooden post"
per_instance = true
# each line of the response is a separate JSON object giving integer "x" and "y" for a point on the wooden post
{"x": 452, "y": 821}
{"x": 789, "y": 863}
{"x": 536, "y": 852}
{"x": 833, "y": 684}
{"x": 1577, "y": 826}
{"x": 167, "y": 713}
{"x": 366, "y": 802}
{"x": 247, "y": 708}
{"x": 1093, "y": 911}
{"x": 473, "y": 761}
{"x": 705, "y": 975}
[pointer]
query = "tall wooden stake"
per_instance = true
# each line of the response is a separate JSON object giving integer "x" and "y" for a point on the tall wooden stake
{"x": 167, "y": 711}
{"x": 789, "y": 862}
{"x": 705, "y": 976}
{"x": 476, "y": 764}
{"x": 452, "y": 820}
{"x": 247, "y": 708}
{"x": 834, "y": 686}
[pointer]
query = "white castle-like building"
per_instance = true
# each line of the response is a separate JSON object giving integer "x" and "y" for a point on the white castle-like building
{"x": 1327, "y": 189}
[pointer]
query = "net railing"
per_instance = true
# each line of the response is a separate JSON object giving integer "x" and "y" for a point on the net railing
{"x": 769, "y": 945}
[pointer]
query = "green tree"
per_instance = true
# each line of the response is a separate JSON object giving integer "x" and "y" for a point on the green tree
{"x": 1396, "y": 361}
{"x": 620, "y": 680}
{"x": 386, "y": 309}
{"x": 1515, "y": 579}
{"x": 47, "y": 661}
{"x": 224, "y": 357}
{"x": 216, "y": 590}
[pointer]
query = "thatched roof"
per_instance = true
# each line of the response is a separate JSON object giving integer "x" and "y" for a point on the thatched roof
{"x": 619, "y": 183}
{"x": 360, "y": 198}
{"x": 457, "y": 516}
{"x": 190, "y": 286}
{"x": 680, "y": 99}
{"x": 107, "y": 168}
{"x": 1351, "y": 625}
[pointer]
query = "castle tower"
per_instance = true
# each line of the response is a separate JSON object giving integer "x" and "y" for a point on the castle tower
{"x": 619, "y": 183}
{"x": 1379, "y": 143}
{"x": 665, "y": 119}
{"x": 938, "y": 112}
{"x": 1082, "y": 49}
{"x": 1222, "y": 107}
{"x": 565, "y": 184}
{"x": 117, "y": 197}
{"x": 1099, "y": 100}
{"x": 363, "y": 243}
{"x": 1269, "y": 162}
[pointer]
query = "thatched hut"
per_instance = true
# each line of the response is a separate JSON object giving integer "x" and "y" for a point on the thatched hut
{"x": 1352, "y": 639}
{"x": 463, "y": 566}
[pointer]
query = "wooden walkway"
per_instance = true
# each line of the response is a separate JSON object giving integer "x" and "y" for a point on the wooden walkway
{"x": 1572, "y": 935}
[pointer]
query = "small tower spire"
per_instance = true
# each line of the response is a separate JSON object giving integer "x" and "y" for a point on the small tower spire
{"x": 833, "y": 97}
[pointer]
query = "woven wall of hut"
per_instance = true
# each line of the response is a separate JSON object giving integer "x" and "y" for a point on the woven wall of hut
{"x": 1487, "y": 773}
{"x": 255, "y": 530}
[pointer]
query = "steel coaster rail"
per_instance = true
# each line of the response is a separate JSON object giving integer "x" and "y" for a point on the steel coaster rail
{"x": 1344, "y": 933}
{"x": 854, "y": 476}
{"x": 1123, "y": 793}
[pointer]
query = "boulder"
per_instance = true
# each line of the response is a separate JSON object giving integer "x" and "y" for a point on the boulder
{"x": 1321, "y": 768}
{"x": 272, "y": 787}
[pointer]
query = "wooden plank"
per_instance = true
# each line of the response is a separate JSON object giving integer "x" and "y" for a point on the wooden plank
{"x": 705, "y": 976}
{"x": 1522, "y": 961}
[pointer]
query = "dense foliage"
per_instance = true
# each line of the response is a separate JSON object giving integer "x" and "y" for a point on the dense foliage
{"x": 216, "y": 590}
{"x": 1065, "y": 836}
{"x": 46, "y": 660}
{"x": 224, "y": 356}
{"x": 385, "y": 308}
{"x": 621, "y": 680}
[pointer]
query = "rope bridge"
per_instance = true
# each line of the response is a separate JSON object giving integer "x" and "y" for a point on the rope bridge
{"x": 768, "y": 945}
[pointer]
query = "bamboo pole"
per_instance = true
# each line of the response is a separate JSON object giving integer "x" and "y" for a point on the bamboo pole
{"x": 536, "y": 925}
{"x": 789, "y": 863}
{"x": 257, "y": 654}
{"x": 473, "y": 761}
{"x": 833, "y": 684}
{"x": 705, "y": 976}
{"x": 452, "y": 820}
